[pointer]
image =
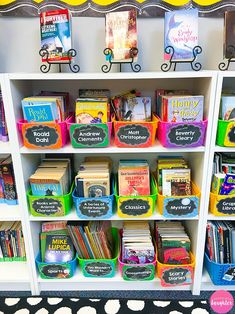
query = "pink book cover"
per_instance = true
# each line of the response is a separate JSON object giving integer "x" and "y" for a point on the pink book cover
{"x": 134, "y": 181}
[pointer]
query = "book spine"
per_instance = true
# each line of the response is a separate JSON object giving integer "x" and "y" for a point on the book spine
{"x": 3, "y": 243}
{"x": 4, "y": 131}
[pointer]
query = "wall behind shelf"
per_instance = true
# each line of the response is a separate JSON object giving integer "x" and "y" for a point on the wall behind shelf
{"x": 21, "y": 39}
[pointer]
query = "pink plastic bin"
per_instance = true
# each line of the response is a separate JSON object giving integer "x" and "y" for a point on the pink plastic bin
{"x": 46, "y": 135}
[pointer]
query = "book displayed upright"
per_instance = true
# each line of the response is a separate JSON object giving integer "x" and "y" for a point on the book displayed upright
{"x": 181, "y": 32}
{"x": 56, "y": 34}
{"x": 121, "y": 34}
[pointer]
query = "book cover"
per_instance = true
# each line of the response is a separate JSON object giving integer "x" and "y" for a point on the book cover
{"x": 229, "y": 34}
{"x": 181, "y": 32}
{"x": 121, "y": 34}
{"x": 56, "y": 34}
{"x": 176, "y": 182}
{"x": 228, "y": 186}
{"x": 182, "y": 108}
{"x": 137, "y": 109}
{"x": 91, "y": 111}
{"x": 227, "y": 108}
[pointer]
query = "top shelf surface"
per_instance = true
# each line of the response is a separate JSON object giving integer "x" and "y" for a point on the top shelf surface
{"x": 110, "y": 76}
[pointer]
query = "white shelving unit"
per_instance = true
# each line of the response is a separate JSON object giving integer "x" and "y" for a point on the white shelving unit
{"x": 17, "y": 86}
{"x": 226, "y": 80}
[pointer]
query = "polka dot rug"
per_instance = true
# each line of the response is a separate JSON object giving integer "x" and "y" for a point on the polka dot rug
{"x": 54, "y": 305}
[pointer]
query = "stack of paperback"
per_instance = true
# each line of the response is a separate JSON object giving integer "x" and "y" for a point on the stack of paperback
{"x": 137, "y": 243}
{"x": 52, "y": 178}
{"x": 93, "y": 178}
{"x": 56, "y": 244}
{"x": 3, "y": 126}
{"x": 46, "y": 107}
{"x": 56, "y": 34}
{"x": 173, "y": 243}
{"x": 92, "y": 240}
{"x": 133, "y": 178}
{"x": 223, "y": 181}
{"x": 173, "y": 176}
{"x": 11, "y": 241}
{"x": 131, "y": 107}
{"x": 220, "y": 243}
{"x": 7, "y": 180}
{"x": 179, "y": 106}
{"x": 92, "y": 106}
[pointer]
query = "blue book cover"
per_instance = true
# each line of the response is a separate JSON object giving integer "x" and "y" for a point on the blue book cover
{"x": 40, "y": 110}
{"x": 181, "y": 32}
{"x": 228, "y": 186}
{"x": 46, "y": 189}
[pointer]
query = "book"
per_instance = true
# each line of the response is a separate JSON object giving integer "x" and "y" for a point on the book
{"x": 217, "y": 181}
{"x": 121, "y": 34}
{"x": 133, "y": 178}
{"x": 227, "y": 108}
{"x": 229, "y": 34}
{"x": 137, "y": 109}
{"x": 228, "y": 186}
{"x": 176, "y": 182}
{"x": 56, "y": 247}
{"x": 181, "y": 32}
{"x": 56, "y": 34}
{"x": 8, "y": 179}
{"x": 91, "y": 110}
{"x": 182, "y": 108}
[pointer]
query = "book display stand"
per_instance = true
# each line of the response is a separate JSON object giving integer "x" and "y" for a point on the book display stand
{"x": 231, "y": 51}
{"x": 45, "y": 68}
{"x": 109, "y": 55}
{"x": 196, "y": 66}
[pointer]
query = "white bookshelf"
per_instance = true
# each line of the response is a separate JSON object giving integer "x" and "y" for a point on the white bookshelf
{"x": 17, "y": 86}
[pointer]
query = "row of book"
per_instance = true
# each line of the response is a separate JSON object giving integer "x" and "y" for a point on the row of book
{"x": 52, "y": 177}
{"x": 220, "y": 242}
{"x": 7, "y": 180}
{"x": 3, "y": 125}
{"x": 11, "y": 241}
{"x": 223, "y": 180}
{"x": 60, "y": 240}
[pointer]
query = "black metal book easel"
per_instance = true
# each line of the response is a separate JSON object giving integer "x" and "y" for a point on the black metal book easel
{"x": 230, "y": 50}
{"x": 108, "y": 52}
{"x": 45, "y": 68}
{"x": 196, "y": 66}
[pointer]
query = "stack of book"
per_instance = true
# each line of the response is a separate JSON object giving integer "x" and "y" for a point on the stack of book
{"x": 55, "y": 243}
{"x": 52, "y": 177}
{"x": 223, "y": 180}
{"x": 92, "y": 240}
{"x": 11, "y": 240}
{"x": 7, "y": 180}
{"x": 130, "y": 106}
{"x": 179, "y": 106}
{"x": 92, "y": 106}
{"x": 220, "y": 243}
{"x": 46, "y": 107}
{"x": 137, "y": 243}
{"x": 173, "y": 243}
{"x": 3, "y": 125}
{"x": 133, "y": 178}
{"x": 93, "y": 178}
{"x": 173, "y": 176}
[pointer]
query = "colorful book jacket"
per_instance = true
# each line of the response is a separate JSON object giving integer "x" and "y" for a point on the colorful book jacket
{"x": 181, "y": 32}
{"x": 46, "y": 189}
{"x": 121, "y": 34}
{"x": 56, "y": 34}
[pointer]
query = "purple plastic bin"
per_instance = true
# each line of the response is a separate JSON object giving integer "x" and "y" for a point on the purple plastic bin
{"x": 89, "y": 135}
{"x": 179, "y": 134}
{"x": 57, "y": 138}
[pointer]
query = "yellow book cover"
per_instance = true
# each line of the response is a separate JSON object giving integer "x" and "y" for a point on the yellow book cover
{"x": 88, "y": 111}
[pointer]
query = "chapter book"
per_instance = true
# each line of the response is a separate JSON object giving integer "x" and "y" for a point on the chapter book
{"x": 133, "y": 178}
{"x": 229, "y": 34}
{"x": 176, "y": 182}
{"x": 182, "y": 108}
{"x": 181, "y": 33}
{"x": 56, "y": 247}
{"x": 137, "y": 109}
{"x": 227, "y": 111}
{"x": 91, "y": 110}
{"x": 228, "y": 186}
{"x": 56, "y": 34}
{"x": 121, "y": 34}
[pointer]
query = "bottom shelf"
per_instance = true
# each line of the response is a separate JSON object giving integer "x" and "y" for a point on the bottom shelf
{"x": 79, "y": 282}
{"x": 14, "y": 276}
{"x": 207, "y": 284}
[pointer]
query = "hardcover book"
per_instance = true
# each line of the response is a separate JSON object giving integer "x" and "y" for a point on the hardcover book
{"x": 229, "y": 34}
{"x": 90, "y": 110}
{"x": 121, "y": 34}
{"x": 56, "y": 34}
{"x": 181, "y": 32}
{"x": 227, "y": 107}
{"x": 137, "y": 109}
